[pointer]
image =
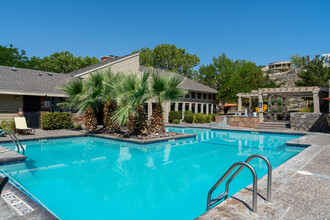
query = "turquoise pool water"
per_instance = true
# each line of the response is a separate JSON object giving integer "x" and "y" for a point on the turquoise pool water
{"x": 97, "y": 178}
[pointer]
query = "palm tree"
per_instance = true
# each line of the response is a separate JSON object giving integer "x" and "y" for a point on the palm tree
{"x": 110, "y": 84}
{"x": 85, "y": 96}
{"x": 133, "y": 91}
{"x": 163, "y": 88}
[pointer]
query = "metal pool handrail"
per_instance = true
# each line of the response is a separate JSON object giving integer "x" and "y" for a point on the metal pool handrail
{"x": 269, "y": 177}
{"x": 225, "y": 195}
{"x": 14, "y": 139}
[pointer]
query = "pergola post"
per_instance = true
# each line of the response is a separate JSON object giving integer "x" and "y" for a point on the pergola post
{"x": 275, "y": 108}
{"x": 316, "y": 101}
{"x": 284, "y": 105}
{"x": 239, "y": 105}
{"x": 261, "y": 110}
{"x": 250, "y": 106}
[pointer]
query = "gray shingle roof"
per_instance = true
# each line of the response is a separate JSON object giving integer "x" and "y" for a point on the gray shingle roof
{"x": 25, "y": 81}
{"x": 187, "y": 83}
{"x": 97, "y": 65}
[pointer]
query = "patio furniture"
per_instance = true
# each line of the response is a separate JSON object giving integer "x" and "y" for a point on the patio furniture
{"x": 3, "y": 181}
{"x": 21, "y": 126}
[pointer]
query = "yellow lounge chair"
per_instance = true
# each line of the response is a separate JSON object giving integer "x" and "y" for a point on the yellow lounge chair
{"x": 20, "y": 125}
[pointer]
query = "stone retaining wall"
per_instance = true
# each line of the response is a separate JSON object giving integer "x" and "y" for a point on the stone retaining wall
{"x": 317, "y": 122}
{"x": 242, "y": 121}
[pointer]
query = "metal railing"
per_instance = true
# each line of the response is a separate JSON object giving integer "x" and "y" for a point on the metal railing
{"x": 14, "y": 139}
{"x": 211, "y": 202}
{"x": 225, "y": 195}
{"x": 269, "y": 176}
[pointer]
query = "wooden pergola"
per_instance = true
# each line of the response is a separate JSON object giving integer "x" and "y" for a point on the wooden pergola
{"x": 270, "y": 93}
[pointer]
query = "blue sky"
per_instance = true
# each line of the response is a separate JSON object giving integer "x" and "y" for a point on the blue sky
{"x": 260, "y": 31}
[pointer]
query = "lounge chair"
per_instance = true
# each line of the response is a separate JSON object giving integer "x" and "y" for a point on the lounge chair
{"x": 20, "y": 126}
{"x": 3, "y": 181}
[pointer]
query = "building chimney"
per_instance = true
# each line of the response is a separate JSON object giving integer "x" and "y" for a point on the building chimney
{"x": 110, "y": 57}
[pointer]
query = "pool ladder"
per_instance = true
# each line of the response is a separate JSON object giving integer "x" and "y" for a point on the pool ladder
{"x": 14, "y": 139}
{"x": 224, "y": 195}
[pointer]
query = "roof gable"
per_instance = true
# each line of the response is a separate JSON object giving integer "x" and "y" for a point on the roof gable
{"x": 187, "y": 83}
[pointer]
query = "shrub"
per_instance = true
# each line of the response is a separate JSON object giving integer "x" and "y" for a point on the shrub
{"x": 7, "y": 125}
{"x": 306, "y": 109}
{"x": 78, "y": 127}
{"x": 199, "y": 118}
{"x": 58, "y": 120}
{"x": 188, "y": 113}
{"x": 176, "y": 121}
{"x": 174, "y": 115}
{"x": 208, "y": 118}
{"x": 212, "y": 117}
{"x": 189, "y": 118}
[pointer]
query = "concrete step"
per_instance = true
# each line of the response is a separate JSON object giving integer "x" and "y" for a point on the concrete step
{"x": 273, "y": 125}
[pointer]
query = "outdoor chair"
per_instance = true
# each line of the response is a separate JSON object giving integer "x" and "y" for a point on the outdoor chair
{"x": 3, "y": 181}
{"x": 21, "y": 126}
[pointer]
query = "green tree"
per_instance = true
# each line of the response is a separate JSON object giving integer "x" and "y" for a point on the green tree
{"x": 11, "y": 56}
{"x": 169, "y": 57}
{"x": 231, "y": 77}
{"x": 314, "y": 74}
{"x": 61, "y": 62}
{"x": 133, "y": 91}
{"x": 163, "y": 88}
{"x": 298, "y": 61}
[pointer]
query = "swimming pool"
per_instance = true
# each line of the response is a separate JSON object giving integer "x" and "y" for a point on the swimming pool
{"x": 98, "y": 178}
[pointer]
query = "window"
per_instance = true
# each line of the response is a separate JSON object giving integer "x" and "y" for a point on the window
{"x": 187, "y": 96}
{"x": 214, "y": 97}
{"x": 204, "y": 96}
{"x": 210, "y": 96}
{"x": 199, "y": 95}
{"x": 193, "y": 95}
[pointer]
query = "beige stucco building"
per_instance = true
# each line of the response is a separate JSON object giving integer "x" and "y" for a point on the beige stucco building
{"x": 36, "y": 92}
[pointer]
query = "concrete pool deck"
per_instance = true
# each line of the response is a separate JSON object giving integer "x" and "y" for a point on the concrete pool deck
{"x": 294, "y": 195}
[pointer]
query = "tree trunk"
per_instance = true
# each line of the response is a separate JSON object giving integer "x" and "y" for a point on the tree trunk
{"x": 108, "y": 120}
{"x": 138, "y": 123}
{"x": 90, "y": 119}
{"x": 157, "y": 122}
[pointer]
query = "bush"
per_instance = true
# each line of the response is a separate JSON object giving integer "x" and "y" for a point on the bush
{"x": 199, "y": 118}
{"x": 7, "y": 125}
{"x": 208, "y": 118}
{"x": 174, "y": 115}
{"x": 78, "y": 127}
{"x": 189, "y": 118}
{"x": 212, "y": 117}
{"x": 58, "y": 120}
{"x": 176, "y": 121}
{"x": 188, "y": 113}
{"x": 306, "y": 109}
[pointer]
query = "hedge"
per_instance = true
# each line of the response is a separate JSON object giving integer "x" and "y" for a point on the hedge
{"x": 189, "y": 118}
{"x": 188, "y": 113}
{"x": 174, "y": 115}
{"x": 57, "y": 120}
{"x": 176, "y": 121}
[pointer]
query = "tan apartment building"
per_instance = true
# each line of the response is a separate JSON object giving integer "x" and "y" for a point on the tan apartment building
{"x": 33, "y": 92}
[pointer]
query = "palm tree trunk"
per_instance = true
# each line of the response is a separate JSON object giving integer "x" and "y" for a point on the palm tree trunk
{"x": 108, "y": 120}
{"x": 138, "y": 123}
{"x": 157, "y": 122}
{"x": 90, "y": 119}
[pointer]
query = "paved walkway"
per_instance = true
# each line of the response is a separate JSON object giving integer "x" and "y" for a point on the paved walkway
{"x": 300, "y": 189}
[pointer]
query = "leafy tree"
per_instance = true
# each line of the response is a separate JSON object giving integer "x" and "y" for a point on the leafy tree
{"x": 61, "y": 62}
{"x": 169, "y": 57}
{"x": 231, "y": 77}
{"x": 133, "y": 91}
{"x": 315, "y": 74}
{"x": 163, "y": 88}
{"x": 298, "y": 61}
{"x": 11, "y": 56}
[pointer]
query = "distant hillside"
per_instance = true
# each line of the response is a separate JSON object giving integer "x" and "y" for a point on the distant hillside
{"x": 286, "y": 78}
